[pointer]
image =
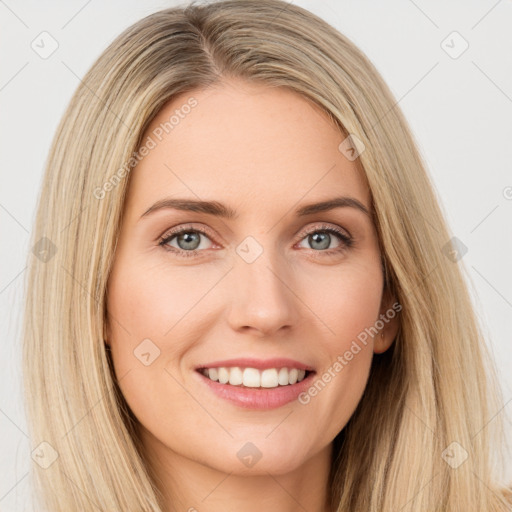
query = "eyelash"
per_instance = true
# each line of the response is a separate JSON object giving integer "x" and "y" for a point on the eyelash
{"x": 346, "y": 241}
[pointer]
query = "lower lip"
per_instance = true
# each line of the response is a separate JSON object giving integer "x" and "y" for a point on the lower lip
{"x": 258, "y": 398}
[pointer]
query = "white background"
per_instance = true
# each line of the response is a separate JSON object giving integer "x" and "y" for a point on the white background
{"x": 460, "y": 111}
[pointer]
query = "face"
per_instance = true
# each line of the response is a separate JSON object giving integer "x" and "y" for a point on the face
{"x": 191, "y": 288}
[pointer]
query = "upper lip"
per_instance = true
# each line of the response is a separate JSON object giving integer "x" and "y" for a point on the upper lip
{"x": 260, "y": 364}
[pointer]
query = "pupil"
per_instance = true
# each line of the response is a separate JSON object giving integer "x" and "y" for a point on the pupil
{"x": 324, "y": 244}
{"x": 189, "y": 238}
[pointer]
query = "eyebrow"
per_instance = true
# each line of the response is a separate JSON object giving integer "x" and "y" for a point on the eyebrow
{"x": 223, "y": 211}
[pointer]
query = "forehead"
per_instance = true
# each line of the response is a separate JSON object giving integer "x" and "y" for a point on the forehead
{"x": 244, "y": 142}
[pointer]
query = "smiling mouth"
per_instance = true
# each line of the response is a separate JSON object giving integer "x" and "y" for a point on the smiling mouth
{"x": 254, "y": 378}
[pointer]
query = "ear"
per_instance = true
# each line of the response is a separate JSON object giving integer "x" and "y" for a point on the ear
{"x": 389, "y": 316}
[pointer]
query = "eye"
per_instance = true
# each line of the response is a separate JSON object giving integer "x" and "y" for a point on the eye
{"x": 188, "y": 240}
{"x": 320, "y": 238}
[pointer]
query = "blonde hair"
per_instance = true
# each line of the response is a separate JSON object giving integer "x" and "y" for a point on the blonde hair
{"x": 434, "y": 387}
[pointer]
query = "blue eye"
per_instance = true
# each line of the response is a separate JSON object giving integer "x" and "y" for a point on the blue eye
{"x": 188, "y": 240}
{"x": 322, "y": 238}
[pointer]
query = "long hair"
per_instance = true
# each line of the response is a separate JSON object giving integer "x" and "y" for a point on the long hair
{"x": 430, "y": 399}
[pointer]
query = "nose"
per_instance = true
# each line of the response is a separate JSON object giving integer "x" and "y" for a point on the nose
{"x": 261, "y": 296}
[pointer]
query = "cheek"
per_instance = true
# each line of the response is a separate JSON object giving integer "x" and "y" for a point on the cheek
{"x": 145, "y": 303}
{"x": 155, "y": 316}
{"x": 348, "y": 304}
{"x": 153, "y": 301}
{"x": 345, "y": 300}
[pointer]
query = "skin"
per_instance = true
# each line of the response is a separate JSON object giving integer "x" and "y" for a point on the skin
{"x": 263, "y": 152}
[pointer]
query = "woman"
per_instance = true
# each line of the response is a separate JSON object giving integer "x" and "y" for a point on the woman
{"x": 188, "y": 345}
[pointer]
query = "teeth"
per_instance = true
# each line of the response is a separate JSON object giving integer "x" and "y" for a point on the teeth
{"x": 251, "y": 377}
{"x": 269, "y": 378}
{"x": 235, "y": 376}
{"x": 223, "y": 375}
{"x": 282, "y": 378}
{"x": 254, "y": 378}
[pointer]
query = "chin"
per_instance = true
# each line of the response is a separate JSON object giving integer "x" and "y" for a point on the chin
{"x": 268, "y": 463}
